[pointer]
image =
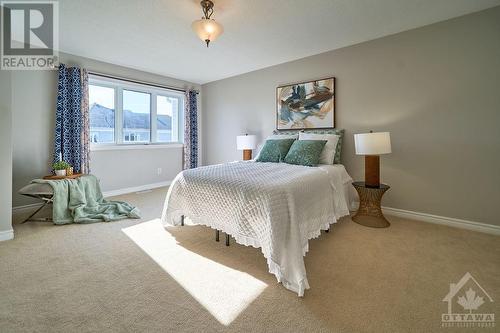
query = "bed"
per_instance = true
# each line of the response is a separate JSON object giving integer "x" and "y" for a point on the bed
{"x": 276, "y": 207}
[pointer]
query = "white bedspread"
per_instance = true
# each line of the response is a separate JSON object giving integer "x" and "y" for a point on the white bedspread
{"x": 275, "y": 206}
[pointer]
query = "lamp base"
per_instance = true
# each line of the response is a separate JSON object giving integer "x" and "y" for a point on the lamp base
{"x": 247, "y": 154}
{"x": 372, "y": 171}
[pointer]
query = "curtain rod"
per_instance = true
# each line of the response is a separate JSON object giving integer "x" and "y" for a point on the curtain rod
{"x": 136, "y": 81}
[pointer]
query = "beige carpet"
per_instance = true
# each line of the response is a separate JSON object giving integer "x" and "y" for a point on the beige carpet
{"x": 133, "y": 276}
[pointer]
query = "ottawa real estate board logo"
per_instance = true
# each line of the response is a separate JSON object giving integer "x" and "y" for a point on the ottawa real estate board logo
{"x": 468, "y": 305}
{"x": 29, "y": 35}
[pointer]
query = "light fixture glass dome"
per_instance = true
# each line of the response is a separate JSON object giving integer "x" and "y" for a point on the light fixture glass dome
{"x": 207, "y": 29}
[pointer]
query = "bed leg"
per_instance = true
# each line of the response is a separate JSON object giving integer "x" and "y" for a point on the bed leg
{"x": 216, "y": 235}
{"x": 182, "y": 220}
{"x": 227, "y": 240}
{"x": 327, "y": 230}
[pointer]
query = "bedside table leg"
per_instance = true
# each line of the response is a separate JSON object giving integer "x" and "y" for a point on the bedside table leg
{"x": 227, "y": 240}
{"x": 369, "y": 212}
{"x": 216, "y": 235}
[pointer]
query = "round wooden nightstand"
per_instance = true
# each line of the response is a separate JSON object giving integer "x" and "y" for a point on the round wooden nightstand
{"x": 369, "y": 212}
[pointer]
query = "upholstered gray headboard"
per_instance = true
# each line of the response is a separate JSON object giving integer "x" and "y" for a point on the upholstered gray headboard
{"x": 339, "y": 132}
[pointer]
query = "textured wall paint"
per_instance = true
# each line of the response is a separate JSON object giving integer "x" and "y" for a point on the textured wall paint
{"x": 33, "y": 103}
{"x": 436, "y": 89}
{"x": 5, "y": 151}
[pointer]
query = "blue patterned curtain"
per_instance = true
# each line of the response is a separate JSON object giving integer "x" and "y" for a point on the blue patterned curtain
{"x": 85, "y": 165}
{"x": 191, "y": 130}
{"x": 71, "y": 129}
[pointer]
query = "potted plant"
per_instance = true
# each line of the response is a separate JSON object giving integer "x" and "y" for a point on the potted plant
{"x": 60, "y": 168}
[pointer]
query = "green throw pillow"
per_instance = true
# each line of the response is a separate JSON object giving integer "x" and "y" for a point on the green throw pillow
{"x": 305, "y": 152}
{"x": 339, "y": 132}
{"x": 275, "y": 150}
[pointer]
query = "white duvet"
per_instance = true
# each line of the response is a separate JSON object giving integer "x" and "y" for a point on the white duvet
{"x": 275, "y": 206}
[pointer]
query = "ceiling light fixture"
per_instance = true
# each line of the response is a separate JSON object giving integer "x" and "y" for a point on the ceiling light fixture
{"x": 206, "y": 28}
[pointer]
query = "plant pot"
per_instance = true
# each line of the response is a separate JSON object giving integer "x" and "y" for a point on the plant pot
{"x": 60, "y": 172}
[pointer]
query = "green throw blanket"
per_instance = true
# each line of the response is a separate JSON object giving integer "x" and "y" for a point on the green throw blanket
{"x": 80, "y": 200}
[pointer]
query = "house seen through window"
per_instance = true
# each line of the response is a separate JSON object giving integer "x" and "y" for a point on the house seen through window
{"x": 129, "y": 113}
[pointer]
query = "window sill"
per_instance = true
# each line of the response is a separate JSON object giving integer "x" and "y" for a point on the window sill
{"x": 136, "y": 146}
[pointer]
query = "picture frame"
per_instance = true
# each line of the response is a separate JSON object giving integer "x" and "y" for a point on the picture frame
{"x": 306, "y": 105}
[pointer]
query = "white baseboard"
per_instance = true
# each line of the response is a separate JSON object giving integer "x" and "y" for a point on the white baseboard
{"x": 26, "y": 207}
{"x": 424, "y": 217}
{"x": 436, "y": 219}
{"x": 6, "y": 235}
{"x": 449, "y": 221}
{"x": 106, "y": 194}
{"x": 135, "y": 189}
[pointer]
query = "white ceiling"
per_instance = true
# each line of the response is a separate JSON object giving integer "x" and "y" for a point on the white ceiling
{"x": 156, "y": 36}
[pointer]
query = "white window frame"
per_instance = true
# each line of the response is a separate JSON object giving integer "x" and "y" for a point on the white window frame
{"x": 120, "y": 85}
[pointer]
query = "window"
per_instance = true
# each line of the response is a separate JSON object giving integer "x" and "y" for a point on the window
{"x": 136, "y": 116}
{"x": 102, "y": 114}
{"x": 131, "y": 137}
{"x": 130, "y": 113}
{"x": 167, "y": 112}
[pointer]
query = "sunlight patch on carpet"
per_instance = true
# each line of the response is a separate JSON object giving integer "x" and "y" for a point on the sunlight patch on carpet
{"x": 223, "y": 291}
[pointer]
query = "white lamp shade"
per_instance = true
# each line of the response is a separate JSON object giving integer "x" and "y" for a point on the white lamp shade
{"x": 372, "y": 143}
{"x": 207, "y": 29}
{"x": 246, "y": 142}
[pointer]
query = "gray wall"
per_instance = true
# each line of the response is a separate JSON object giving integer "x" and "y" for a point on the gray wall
{"x": 118, "y": 169}
{"x": 5, "y": 152}
{"x": 33, "y": 103}
{"x": 436, "y": 89}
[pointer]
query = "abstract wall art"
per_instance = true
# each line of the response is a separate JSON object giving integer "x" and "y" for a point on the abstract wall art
{"x": 306, "y": 105}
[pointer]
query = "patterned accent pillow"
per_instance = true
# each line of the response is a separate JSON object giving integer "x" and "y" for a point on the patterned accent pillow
{"x": 339, "y": 132}
{"x": 275, "y": 137}
{"x": 275, "y": 150}
{"x": 294, "y": 136}
{"x": 305, "y": 152}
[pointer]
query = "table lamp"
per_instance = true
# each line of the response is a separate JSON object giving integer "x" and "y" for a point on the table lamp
{"x": 246, "y": 143}
{"x": 372, "y": 145}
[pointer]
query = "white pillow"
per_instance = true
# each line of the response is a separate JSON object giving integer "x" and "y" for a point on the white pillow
{"x": 328, "y": 153}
